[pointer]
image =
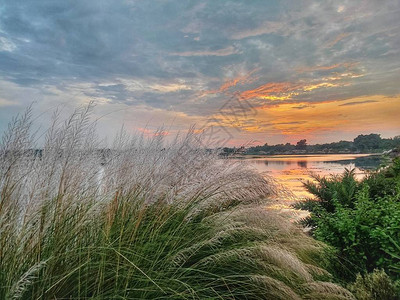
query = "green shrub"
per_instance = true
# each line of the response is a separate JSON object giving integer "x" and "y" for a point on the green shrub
{"x": 375, "y": 286}
{"x": 359, "y": 219}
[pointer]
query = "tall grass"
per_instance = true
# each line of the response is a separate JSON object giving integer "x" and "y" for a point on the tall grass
{"x": 142, "y": 219}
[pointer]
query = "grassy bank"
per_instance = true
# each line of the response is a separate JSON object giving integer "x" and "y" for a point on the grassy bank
{"x": 145, "y": 219}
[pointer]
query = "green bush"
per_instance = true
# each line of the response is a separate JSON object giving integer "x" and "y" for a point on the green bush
{"x": 375, "y": 286}
{"x": 360, "y": 219}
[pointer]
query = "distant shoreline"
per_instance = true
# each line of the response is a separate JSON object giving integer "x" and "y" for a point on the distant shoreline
{"x": 242, "y": 156}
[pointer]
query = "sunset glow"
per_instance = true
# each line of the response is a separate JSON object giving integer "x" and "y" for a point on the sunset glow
{"x": 323, "y": 71}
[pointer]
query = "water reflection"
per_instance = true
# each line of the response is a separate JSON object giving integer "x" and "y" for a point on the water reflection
{"x": 292, "y": 170}
{"x": 302, "y": 163}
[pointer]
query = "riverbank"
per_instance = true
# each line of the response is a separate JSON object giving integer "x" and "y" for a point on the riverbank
{"x": 245, "y": 156}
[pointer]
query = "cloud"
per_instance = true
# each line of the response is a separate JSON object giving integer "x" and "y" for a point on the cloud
{"x": 270, "y": 89}
{"x": 220, "y": 52}
{"x": 246, "y": 78}
{"x": 348, "y": 66}
{"x": 169, "y": 88}
{"x": 265, "y": 28}
{"x": 6, "y": 45}
{"x": 4, "y": 102}
{"x": 303, "y": 106}
{"x": 285, "y": 90}
{"x": 357, "y": 103}
{"x": 340, "y": 37}
{"x": 191, "y": 58}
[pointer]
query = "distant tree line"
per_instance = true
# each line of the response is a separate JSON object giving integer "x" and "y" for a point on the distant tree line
{"x": 370, "y": 143}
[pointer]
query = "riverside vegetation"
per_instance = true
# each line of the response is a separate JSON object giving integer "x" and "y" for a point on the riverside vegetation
{"x": 370, "y": 143}
{"x": 147, "y": 219}
{"x": 361, "y": 220}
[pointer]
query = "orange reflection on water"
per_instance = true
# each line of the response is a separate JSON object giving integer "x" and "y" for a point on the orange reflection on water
{"x": 292, "y": 170}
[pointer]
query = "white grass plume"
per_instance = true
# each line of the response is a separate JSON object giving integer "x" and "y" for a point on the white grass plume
{"x": 73, "y": 164}
{"x": 20, "y": 286}
{"x": 65, "y": 197}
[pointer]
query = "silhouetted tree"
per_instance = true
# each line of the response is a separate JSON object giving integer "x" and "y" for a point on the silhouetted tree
{"x": 301, "y": 145}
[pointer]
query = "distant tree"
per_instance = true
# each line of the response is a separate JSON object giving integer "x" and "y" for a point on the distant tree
{"x": 301, "y": 145}
{"x": 227, "y": 151}
{"x": 368, "y": 142}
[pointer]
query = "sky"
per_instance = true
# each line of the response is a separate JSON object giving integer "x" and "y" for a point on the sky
{"x": 241, "y": 72}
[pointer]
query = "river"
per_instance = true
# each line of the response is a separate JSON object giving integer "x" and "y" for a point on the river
{"x": 292, "y": 170}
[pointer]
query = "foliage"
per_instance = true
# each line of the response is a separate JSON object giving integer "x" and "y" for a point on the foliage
{"x": 371, "y": 143}
{"x": 143, "y": 219}
{"x": 366, "y": 142}
{"x": 301, "y": 145}
{"x": 375, "y": 286}
{"x": 361, "y": 219}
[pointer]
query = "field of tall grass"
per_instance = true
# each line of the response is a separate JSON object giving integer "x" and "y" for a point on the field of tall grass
{"x": 143, "y": 218}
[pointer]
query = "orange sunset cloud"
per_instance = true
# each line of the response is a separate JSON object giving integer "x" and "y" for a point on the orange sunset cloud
{"x": 309, "y": 121}
{"x": 352, "y": 115}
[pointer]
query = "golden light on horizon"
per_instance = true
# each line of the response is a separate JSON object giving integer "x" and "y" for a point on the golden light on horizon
{"x": 355, "y": 114}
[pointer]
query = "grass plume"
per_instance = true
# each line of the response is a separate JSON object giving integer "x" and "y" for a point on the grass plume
{"x": 143, "y": 219}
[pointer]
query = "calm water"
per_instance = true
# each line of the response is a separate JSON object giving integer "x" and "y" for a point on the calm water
{"x": 291, "y": 170}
